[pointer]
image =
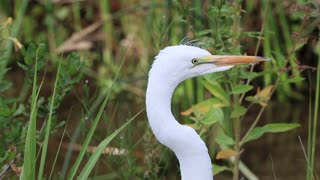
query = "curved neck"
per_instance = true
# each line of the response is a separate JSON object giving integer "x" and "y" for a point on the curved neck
{"x": 191, "y": 151}
{"x": 158, "y": 105}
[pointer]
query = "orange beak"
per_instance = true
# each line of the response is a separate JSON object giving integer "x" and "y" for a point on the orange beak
{"x": 231, "y": 60}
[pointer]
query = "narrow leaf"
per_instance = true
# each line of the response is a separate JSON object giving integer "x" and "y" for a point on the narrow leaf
{"x": 238, "y": 111}
{"x": 265, "y": 92}
{"x": 88, "y": 138}
{"x": 48, "y": 127}
{"x": 101, "y": 147}
{"x": 249, "y": 74}
{"x": 294, "y": 80}
{"x": 93, "y": 128}
{"x": 204, "y": 106}
{"x": 270, "y": 128}
{"x": 241, "y": 88}
{"x": 29, "y": 165}
{"x": 217, "y": 91}
{"x": 218, "y": 169}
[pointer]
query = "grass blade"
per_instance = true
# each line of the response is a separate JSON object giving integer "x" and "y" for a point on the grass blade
{"x": 88, "y": 138}
{"x": 315, "y": 116}
{"x": 93, "y": 127}
{"x": 29, "y": 160}
{"x": 95, "y": 156}
{"x": 48, "y": 127}
{"x": 58, "y": 150}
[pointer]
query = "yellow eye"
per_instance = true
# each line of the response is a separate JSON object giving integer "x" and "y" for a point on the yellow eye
{"x": 194, "y": 61}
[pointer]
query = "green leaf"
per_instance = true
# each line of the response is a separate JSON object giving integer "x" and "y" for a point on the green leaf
{"x": 204, "y": 106}
{"x": 249, "y": 74}
{"x": 218, "y": 169}
{"x": 238, "y": 111}
{"x": 23, "y": 66}
{"x": 21, "y": 109}
{"x": 203, "y": 32}
{"x": 214, "y": 77}
{"x": 251, "y": 99}
{"x": 217, "y": 91}
{"x": 294, "y": 80}
{"x": 241, "y": 88}
{"x": 224, "y": 140}
{"x": 270, "y": 128}
{"x": 213, "y": 116}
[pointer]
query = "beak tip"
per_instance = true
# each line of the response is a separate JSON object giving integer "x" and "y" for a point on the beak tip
{"x": 265, "y": 58}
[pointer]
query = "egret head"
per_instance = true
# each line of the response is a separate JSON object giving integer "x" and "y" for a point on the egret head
{"x": 177, "y": 63}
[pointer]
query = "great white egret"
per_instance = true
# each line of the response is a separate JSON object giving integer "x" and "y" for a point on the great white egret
{"x": 171, "y": 66}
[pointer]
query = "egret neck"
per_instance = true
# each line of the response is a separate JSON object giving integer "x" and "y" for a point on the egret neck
{"x": 191, "y": 151}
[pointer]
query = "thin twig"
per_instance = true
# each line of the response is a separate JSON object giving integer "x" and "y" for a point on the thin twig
{"x": 305, "y": 155}
{"x": 252, "y": 126}
{"x": 8, "y": 167}
{"x": 272, "y": 166}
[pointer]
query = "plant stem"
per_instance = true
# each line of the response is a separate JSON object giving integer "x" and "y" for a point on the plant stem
{"x": 252, "y": 126}
{"x": 308, "y": 156}
{"x": 236, "y": 122}
{"x": 236, "y": 26}
{"x": 237, "y": 147}
{"x": 315, "y": 115}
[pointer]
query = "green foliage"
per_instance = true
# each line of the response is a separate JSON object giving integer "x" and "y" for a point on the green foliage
{"x": 26, "y": 136}
{"x": 30, "y": 54}
{"x": 4, "y": 41}
{"x": 241, "y": 88}
{"x": 230, "y": 88}
{"x": 13, "y": 116}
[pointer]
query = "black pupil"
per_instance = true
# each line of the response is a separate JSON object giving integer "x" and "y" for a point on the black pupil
{"x": 194, "y": 60}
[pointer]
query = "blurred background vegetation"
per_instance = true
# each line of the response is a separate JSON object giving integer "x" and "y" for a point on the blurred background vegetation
{"x": 91, "y": 40}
